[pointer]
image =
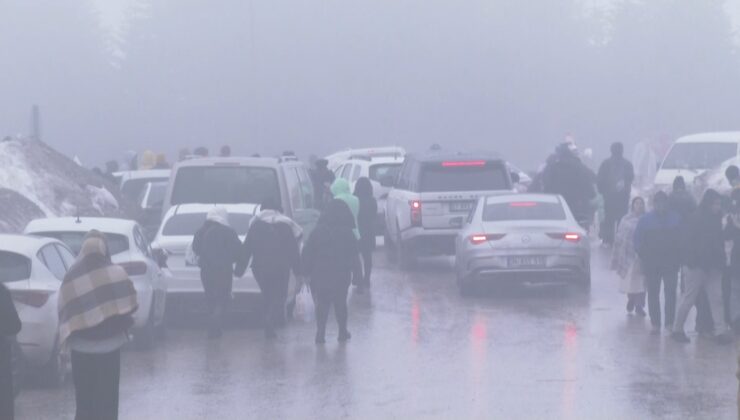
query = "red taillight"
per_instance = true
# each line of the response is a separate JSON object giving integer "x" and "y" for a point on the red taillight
{"x": 35, "y": 298}
{"x": 134, "y": 268}
{"x": 415, "y": 212}
{"x": 483, "y": 238}
{"x": 570, "y": 237}
{"x": 453, "y": 164}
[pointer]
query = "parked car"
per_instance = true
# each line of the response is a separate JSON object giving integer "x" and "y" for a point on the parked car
{"x": 150, "y": 202}
{"x": 522, "y": 237}
{"x": 376, "y": 168}
{"x": 691, "y": 156}
{"x": 338, "y": 158}
{"x": 432, "y": 197}
{"x": 130, "y": 249}
{"x": 133, "y": 183}
{"x": 33, "y": 268}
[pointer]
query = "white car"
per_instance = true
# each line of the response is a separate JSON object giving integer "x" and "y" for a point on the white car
{"x": 338, "y": 158}
{"x": 176, "y": 235}
{"x": 691, "y": 156}
{"x": 130, "y": 249}
{"x": 432, "y": 197}
{"x": 133, "y": 183}
{"x": 33, "y": 268}
{"x": 380, "y": 170}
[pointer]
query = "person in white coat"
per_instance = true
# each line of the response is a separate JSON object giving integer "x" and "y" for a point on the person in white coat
{"x": 625, "y": 261}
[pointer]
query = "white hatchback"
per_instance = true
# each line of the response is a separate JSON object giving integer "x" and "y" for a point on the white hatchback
{"x": 33, "y": 268}
{"x": 130, "y": 249}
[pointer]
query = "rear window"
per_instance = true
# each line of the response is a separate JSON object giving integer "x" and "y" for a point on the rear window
{"x": 463, "y": 176}
{"x": 133, "y": 188}
{"x": 116, "y": 243}
{"x": 523, "y": 210}
{"x": 14, "y": 267}
{"x": 224, "y": 185}
{"x": 384, "y": 171}
{"x": 189, "y": 223}
{"x": 699, "y": 155}
{"x": 156, "y": 195}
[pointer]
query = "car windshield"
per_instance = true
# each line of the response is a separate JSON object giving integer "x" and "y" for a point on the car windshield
{"x": 699, "y": 155}
{"x": 224, "y": 185}
{"x": 523, "y": 210}
{"x": 14, "y": 267}
{"x": 189, "y": 223}
{"x": 116, "y": 243}
{"x": 382, "y": 171}
{"x": 463, "y": 176}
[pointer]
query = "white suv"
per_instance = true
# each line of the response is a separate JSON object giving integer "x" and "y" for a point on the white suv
{"x": 432, "y": 197}
{"x": 377, "y": 169}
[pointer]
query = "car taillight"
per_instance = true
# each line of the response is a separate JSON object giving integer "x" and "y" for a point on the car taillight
{"x": 35, "y": 298}
{"x": 483, "y": 238}
{"x": 134, "y": 268}
{"x": 415, "y": 212}
{"x": 570, "y": 237}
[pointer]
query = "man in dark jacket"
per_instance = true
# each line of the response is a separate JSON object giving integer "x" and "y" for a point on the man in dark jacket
{"x": 218, "y": 248}
{"x": 272, "y": 246}
{"x": 568, "y": 176}
{"x": 657, "y": 243}
{"x": 705, "y": 262}
{"x": 615, "y": 185}
{"x": 10, "y": 325}
{"x": 322, "y": 179}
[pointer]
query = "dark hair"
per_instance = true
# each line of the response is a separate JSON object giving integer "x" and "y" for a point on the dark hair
{"x": 710, "y": 197}
{"x": 732, "y": 173}
{"x": 271, "y": 203}
{"x": 617, "y": 148}
{"x": 364, "y": 188}
{"x": 679, "y": 183}
{"x": 634, "y": 200}
{"x": 337, "y": 214}
{"x": 660, "y": 197}
{"x": 321, "y": 163}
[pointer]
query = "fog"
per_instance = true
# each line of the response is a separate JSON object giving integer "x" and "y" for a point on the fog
{"x": 315, "y": 76}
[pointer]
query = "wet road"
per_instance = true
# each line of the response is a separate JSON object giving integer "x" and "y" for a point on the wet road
{"x": 419, "y": 350}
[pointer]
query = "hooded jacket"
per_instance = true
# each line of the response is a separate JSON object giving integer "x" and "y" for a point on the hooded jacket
{"x": 340, "y": 189}
{"x": 218, "y": 248}
{"x": 657, "y": 241}
{"x": 704, "y": 242}
{"x": 271, "y": 244}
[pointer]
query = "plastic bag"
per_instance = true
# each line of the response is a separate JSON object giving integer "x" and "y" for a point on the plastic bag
{"x": 191, "y": 258}
{"x": 304, "y": 306}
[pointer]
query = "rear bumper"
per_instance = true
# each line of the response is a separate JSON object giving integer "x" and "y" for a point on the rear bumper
{"x": 426, "y": 242}
{"x": 38, "y": 333}
{"x": 559, "y": 268}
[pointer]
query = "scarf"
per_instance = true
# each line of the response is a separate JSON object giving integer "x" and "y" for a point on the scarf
{"x": 93, "y": 291}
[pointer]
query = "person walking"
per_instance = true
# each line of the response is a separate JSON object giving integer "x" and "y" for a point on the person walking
{"x": 340, "y": 190}
{"x": 218, "y": 248}
{"x": 322, "y": 179}
{"x": 614, "y": 182}
{"x": 566, "y": 175}
{"x": 625, "y": 261}
{"x": 657, "y": 243}
{"x": 366, "y": 220}
{"x": 10, "y": 325}
{"x": 328, "y": 260}
{"x": 96, "y": 301}
{"x": 705, "y": 263}
{"x": 271, "y": 245}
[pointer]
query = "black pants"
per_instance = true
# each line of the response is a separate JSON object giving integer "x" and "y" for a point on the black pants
{"x": 217, "y": 285}
{"x": 636, "y": 299}
{"x": 704, "y": 320}
{"x": 367, "y": 265}
{"x": 669, "y": 278}
{"x": 274, "y": 288}
{"x": 325, "y": 299}
{"x": 96, "y": 378}
{"x": 6, "y": 380}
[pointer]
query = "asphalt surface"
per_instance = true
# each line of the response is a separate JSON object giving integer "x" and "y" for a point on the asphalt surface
{"x": 419, "y": 350}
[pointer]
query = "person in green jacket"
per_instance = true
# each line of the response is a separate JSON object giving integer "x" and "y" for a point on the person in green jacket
{"x": 341, "y": 190}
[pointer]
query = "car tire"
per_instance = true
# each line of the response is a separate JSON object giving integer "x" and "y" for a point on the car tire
{"x": 144, "y": 337}
{"x": 56, "y": 371}
{"x": 18, "y": 366}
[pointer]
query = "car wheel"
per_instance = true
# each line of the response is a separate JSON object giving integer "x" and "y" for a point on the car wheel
{"x": 18, "y": 366}
{"x": 56, "y": 371}
{"x": 144, "y": 337}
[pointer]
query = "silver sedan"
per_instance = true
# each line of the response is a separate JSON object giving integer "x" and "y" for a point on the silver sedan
{"x": 522, "y": 237}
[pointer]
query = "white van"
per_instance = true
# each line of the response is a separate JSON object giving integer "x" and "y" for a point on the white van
{"x": 691, "y": 156}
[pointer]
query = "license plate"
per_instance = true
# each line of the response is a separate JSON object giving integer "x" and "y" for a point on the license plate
{"x": 462, "y": 206}
{"x": 526, "y": 261}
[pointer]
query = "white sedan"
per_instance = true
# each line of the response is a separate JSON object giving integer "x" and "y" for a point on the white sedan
{"x": 33, "y": 268}
{"x": 129, "y": 249}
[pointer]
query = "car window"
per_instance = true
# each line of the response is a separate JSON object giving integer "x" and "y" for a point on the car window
{"x": 116, "y": 243}
{"x": 224, "y": 185}
{"x": 404, "y": 175}
{"x": 189, "y": 223}
{"x": 295, "y": 190}
{"x": 463, "y": 176}
{"x": 356, "y": 173}
{"x": 523, "y": 210}
{"x": 345, "y": 171}
{"x": 306, "y": 187}
{"x": 133, "y": 188}
{"x": 141, "y": 242}
{"x": 53, "y": 261}
{"x": 14, "y": 267}
{"x": 698, "y": 155}
{"x": 67, "y": 256}
{"x": 381, "y": 171}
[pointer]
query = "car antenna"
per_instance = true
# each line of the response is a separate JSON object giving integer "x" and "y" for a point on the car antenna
{"x": 78, "y": 221}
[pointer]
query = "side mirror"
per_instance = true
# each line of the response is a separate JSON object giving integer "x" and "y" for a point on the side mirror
{"x": 387, "y": 181}
{"x": 515, "y": 178}
{"x": 160, "y": 256}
